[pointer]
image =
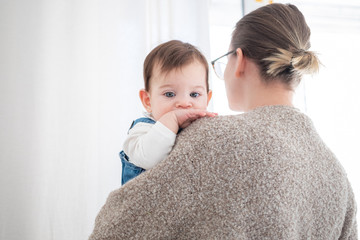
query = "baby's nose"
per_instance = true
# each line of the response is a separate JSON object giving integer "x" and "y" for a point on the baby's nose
{"x": 183, "y": 103}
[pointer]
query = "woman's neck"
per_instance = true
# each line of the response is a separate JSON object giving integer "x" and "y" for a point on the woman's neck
{"x": 268, "y": 95}
{"x": 257, "y": 93}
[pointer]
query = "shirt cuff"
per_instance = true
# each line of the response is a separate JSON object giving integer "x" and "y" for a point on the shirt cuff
{"x": 164, "y": 131}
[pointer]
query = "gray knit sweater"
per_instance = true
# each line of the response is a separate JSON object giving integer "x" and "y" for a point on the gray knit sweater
{"x": 265, "y": 174}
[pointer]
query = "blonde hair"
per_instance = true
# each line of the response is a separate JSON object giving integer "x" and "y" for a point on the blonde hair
{"x": 277, "y": 38}
{"x": 303, "y": 62}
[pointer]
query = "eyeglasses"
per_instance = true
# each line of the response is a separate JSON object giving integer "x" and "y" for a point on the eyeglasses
{"x": 220, "y": 63}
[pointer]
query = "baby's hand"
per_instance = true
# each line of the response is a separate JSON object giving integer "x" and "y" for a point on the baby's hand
{"x": 186, "y": 116}
{"x": 182, "y": 118}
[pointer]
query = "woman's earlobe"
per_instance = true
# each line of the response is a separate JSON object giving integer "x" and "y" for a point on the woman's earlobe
{"x": 240, "y": 63}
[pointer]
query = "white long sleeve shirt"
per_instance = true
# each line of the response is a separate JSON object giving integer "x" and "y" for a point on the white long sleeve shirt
{"x": 147, "y": 144}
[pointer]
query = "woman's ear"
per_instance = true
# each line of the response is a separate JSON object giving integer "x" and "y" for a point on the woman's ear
{"x": 145, "y": 100}
{"x": 209, "y": 95}
{"x": 240, "y": 62}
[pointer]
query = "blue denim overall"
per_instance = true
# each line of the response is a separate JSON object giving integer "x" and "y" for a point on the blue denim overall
{"x": 129, "y": 170}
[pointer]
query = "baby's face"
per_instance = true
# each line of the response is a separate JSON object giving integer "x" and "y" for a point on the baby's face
{"x": 180, "y": 88}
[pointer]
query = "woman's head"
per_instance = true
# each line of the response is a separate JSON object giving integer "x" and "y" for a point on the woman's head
{"x": 277, "y": 39}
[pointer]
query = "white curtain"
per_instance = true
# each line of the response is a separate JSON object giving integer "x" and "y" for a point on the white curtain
{"x": 70, "y": 71}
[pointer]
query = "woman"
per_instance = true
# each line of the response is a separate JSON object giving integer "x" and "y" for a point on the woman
{"x": 263, "y": 174}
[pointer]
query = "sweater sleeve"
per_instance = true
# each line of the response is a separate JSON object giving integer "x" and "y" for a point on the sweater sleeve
{"x": 148, "y": 144}
{"x": 150, "y": 206}
{"x": 349, "y": 230}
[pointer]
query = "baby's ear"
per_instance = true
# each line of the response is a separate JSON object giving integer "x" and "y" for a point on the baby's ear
{"x": 145, "y": 100}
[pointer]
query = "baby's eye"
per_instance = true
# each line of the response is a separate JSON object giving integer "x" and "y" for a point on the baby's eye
{"x": 169, "y": 94}
{"x": 194, "y": 94}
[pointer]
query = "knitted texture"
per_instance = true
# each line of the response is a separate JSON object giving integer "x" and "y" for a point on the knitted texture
{"x": 265, "y": 174}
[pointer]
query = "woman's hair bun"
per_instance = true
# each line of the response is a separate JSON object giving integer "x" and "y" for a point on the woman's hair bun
{"x": 305, "y": 62}
{"x": 300, "y": 61}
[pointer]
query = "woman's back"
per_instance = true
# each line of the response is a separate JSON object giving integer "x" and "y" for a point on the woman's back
{"x": 267, "y": 173}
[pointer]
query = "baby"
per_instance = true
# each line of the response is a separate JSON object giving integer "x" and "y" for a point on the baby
{"x": 176, "y": 93}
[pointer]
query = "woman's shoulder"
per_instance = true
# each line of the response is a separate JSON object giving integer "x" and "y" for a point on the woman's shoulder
{"x": 259, "y": 123}
{"x": 259, "y": 116}
{"x": 214, "y": 131}
{"x": 217, "y": 124}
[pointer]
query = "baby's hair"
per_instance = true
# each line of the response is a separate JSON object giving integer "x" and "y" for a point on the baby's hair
{"x": 171, "y": 55}
{"x": 277, "y": 38}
